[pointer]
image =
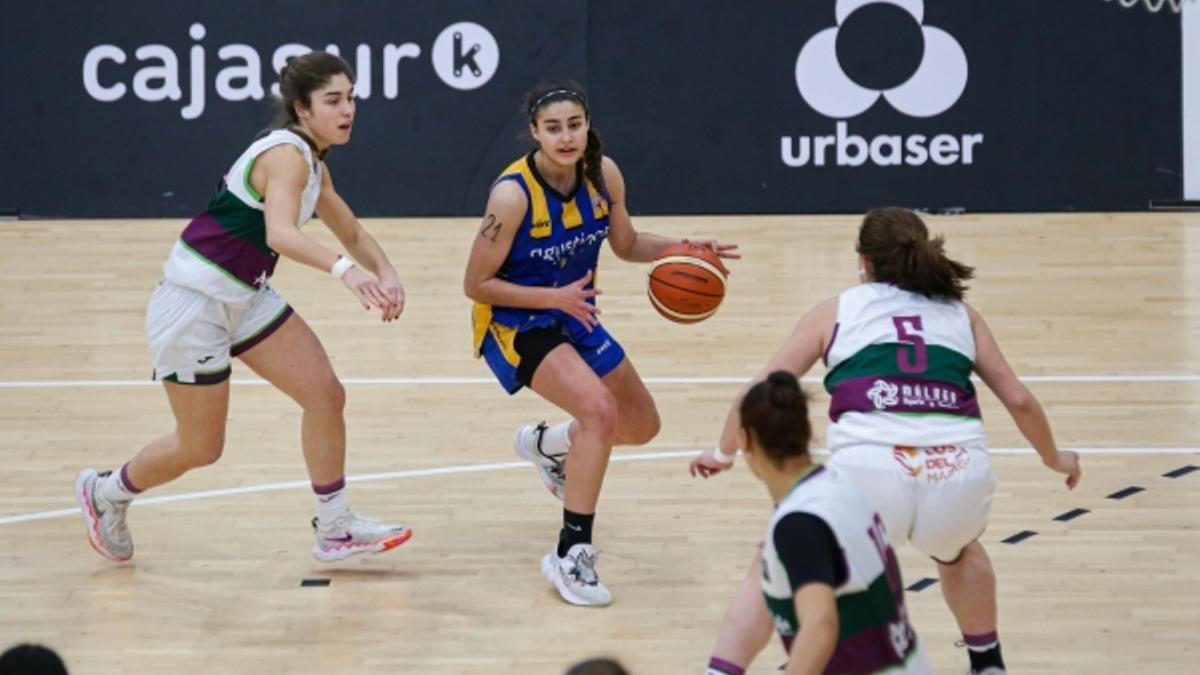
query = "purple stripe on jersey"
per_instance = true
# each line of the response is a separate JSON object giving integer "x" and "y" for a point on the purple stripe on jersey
{"x": 242, "y": 259}
{"x": 870, "y": 651}
{"x": 901, "y": 395}
{"x": 832, "y": 339}
{"x": 243, "y": 347}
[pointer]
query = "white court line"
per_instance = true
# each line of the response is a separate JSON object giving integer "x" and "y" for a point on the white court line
{"x": 458, "y": 381}
{"x": 475, "y": 468}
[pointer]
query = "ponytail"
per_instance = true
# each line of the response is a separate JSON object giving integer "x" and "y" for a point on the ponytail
{"x": 593, "y": 160}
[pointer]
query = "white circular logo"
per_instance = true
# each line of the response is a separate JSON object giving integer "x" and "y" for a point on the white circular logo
{"x": 936, "y": 85}
{"x": 465, "y": 55}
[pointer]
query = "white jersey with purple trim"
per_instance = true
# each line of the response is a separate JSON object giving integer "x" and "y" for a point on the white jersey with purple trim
{"x": 223, "y": 251}
{"x": 899, "y": 371}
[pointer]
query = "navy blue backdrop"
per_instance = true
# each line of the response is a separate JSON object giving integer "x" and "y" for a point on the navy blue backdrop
{"x": 135, "y": 108}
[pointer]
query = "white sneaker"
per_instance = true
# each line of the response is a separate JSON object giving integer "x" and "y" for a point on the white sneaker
{"x": 105, "y": 520}
{"x": 528, "y": 444}
{"x": 351, "y": 534}
{"x": 575, "y": 576}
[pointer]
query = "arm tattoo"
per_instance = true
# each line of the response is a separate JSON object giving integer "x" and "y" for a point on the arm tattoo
{"x": 491, "y": 228}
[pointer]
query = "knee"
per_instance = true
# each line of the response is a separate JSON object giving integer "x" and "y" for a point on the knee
{"x": 328, "y": 397}
{"x": 645, "y": 428}
{"x": 600, "y": 416}
{"x": 200, "y": 452}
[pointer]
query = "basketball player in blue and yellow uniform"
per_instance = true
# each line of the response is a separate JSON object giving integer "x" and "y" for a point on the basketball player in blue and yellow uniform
{"x": 531, "y": 273}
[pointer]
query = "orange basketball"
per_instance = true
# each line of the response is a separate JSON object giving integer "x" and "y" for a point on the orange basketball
{"x": 687, "y": 283}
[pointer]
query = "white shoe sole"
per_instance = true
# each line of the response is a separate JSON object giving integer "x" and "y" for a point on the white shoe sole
{"x": 551, "y": 571}
{"x": 90, "y": 519}
{"x": 378, "y": 546}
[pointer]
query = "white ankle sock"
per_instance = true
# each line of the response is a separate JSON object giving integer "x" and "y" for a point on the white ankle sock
{"x": 557, "y": 439}
{"x": 331, "y": 506}
{"x": 114, "y": 489}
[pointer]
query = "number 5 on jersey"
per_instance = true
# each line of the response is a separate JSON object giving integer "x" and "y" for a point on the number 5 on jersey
{"x": 908, "y": 330}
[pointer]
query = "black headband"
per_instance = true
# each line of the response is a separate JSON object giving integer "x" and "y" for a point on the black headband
{"x": 557, "y": 93}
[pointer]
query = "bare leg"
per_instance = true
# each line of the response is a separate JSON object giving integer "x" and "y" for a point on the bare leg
{"x": 565, "y": 380}
{"x": 293, "y": 360}
{"x": 199, "y": 438}
{"x": 969, "y": 586}
{"x": 747, "y": 627}
{"x": 637, "y": 416}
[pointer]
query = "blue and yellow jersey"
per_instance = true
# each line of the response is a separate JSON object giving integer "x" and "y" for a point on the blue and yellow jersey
{"x": 557, "y": 243}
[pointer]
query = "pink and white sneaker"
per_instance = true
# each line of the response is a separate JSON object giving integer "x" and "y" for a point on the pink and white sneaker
{"x": 105, "y": 520}
{"x": 352, "y": 534}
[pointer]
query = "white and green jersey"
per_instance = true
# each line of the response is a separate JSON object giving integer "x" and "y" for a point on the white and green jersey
{"x": 899, "y": 371}
{"x": 223, "y": 251}
{"x": 874, "y": 635}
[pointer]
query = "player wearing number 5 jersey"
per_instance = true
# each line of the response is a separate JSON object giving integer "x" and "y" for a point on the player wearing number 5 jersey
{"x": 899, "y": 351}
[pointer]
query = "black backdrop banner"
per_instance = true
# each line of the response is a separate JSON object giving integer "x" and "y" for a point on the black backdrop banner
{"x": 136, "y": 108}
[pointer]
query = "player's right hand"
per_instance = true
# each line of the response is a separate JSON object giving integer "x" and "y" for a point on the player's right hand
{"x": 1067, "y": 462}
{"x": 366, "y": 289}
{"x": 573, "y": 299}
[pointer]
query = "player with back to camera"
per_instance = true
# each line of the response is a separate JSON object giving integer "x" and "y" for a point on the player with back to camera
{"x": 900, "y": 349}
{"x": 216, "y": 302}
{"x": 530, "y": 272}
{"x": 829, "y": 577}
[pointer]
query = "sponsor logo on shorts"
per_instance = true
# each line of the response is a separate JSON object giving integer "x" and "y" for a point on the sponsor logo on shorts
{"x": 603, "y": 347}
{"x": 907, "y": 459}
{"x": 935, "y": 464}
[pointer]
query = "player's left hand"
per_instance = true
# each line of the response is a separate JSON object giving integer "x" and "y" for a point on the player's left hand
{"x": 390, "y": 284}
{"x": 722, "y": 250}
{"x": 706, "y": 465}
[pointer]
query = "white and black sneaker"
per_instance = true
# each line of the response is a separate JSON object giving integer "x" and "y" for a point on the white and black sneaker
{"x": 574, "y": 575}
{"x": 551, "y": 467}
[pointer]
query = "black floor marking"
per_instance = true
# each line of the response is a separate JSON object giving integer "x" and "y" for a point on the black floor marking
{"x": 1122, "y": 494}
{"x": 1070, "y": 515}
{"x": 1020, "y": 537}
{"x": 921, "y": 584}
{"x": 1181, "y": 471}
{"x": 314, "y": 582}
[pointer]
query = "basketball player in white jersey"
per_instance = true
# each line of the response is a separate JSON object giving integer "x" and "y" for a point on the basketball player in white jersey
{"x": 899, "y": 350}
{"x": 215, "y": 302}
{"x": 828, "y": 575}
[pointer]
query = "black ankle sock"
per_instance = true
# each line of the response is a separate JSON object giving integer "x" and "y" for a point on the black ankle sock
{"x": 989, "y": 658}
{"x": 576, "y": 529}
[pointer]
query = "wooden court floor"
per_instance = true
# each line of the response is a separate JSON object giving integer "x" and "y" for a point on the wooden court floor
{"x": 1100, "y": 312}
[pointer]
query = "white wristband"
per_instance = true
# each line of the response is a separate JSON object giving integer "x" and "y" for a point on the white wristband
{"x": 341, "y": 266}
{"x": 722, "y": 457}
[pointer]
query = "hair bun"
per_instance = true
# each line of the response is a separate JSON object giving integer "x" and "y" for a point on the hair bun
{"x": 782, "y": 389}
